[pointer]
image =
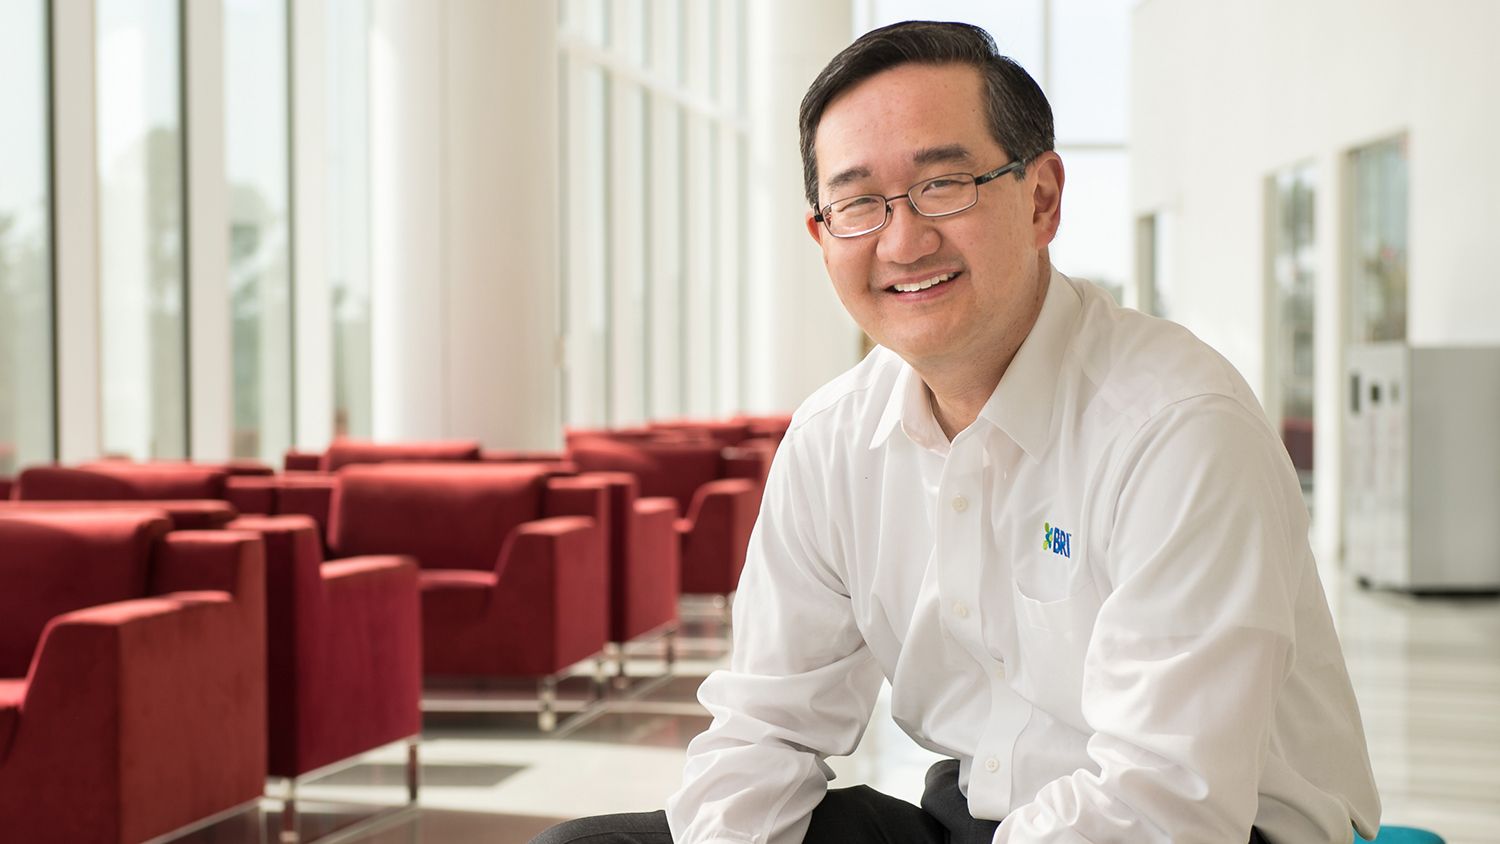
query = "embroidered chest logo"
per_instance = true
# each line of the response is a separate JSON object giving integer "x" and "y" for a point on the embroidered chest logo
{"x": 1057, "y": 540}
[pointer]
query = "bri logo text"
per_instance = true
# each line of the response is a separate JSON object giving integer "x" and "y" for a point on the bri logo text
{"x": 1056, "y": 540}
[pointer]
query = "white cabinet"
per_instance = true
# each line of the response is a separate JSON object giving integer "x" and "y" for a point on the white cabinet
{"x": 1422, "y": 467}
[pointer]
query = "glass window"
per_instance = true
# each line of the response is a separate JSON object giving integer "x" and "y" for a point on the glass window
{"x": 666, "y": 260}
{"x": 1377, "y": 275}
{"x": 586, "y": 302}
{"x": 347, "y": 164}
{"x": 628, "y": 242}
{"x": 26, "y": 361}
{"x": 142, "y": 326}
{"x": 259, "y": 168}
{"x": 650, "y": 297}
{"x": 1292, "y": 278}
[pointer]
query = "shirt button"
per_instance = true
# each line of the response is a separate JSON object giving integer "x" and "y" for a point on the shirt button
{"x": 992, "y": 764}
{"x": 960, "y": 503}
{"x": 960, "y": 609}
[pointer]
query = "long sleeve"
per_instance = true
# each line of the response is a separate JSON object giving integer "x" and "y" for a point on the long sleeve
{"x": 800, "y": 686}
{"x": 1193, "y": 642}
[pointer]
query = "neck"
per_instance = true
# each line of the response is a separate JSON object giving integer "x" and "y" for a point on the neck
{"x": 958, "y": 390}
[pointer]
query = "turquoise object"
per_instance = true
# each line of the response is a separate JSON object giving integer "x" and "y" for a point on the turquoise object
{"x": 1402, "y": 835}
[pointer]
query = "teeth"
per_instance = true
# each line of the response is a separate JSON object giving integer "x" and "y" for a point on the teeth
{"x": 923, "y": 285}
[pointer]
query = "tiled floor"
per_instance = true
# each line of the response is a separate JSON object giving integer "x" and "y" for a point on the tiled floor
{"x": 1427, "y": 673}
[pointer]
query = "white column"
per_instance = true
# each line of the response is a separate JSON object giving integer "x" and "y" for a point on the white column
{"x": 407, "y": 180}
{"x": 76, "y": 195}
{"x": 500, "y": 217}
{"x": 312, "y": 329}
{"x": 464, "y": 221}
{"x": 210, "y": 370}
{"x": 799, "y": 335}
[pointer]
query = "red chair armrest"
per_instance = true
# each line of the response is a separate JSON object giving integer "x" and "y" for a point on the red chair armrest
{"x": 229, "y": 561}
{"x": 150, "y": 710}
{"x": 373, "y": 670}
{"x": 715, "y": 535}
{"x": 553, "y": 579}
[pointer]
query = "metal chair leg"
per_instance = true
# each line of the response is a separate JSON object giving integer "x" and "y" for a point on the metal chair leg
{"x": 547, "y": 691}
{"x": 671, "y": 644}
{"x": 289, "y": 834}
{"x": 413, "y": 771}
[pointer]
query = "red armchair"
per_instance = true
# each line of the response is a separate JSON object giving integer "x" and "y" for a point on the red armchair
{"x": 719, "y": 496}
{"x": 644, "y": 565}
{"x": 115, "y": 480}
{"x": 347, "y": 452}
{"x": 513, "y": 572}
{"x": 6, "y": 485}
{"x": 133, "y": 698}
{"x": 344, "y": 672}
{"x": 183, "y": 515}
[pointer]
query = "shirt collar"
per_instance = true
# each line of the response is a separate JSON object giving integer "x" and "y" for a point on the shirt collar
{"x": 1021, "y": 405}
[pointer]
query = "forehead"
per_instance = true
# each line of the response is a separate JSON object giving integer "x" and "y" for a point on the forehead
{"x": 881, "y": 122}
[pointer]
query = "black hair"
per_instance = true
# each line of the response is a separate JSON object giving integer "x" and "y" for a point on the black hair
{"x": 1020, "y": 119}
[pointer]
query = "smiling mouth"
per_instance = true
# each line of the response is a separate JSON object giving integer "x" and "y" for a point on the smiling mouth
{"x": 924, "y": 284}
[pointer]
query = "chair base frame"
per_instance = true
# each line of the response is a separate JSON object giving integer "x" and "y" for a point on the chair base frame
{"x": 290, "y": 821}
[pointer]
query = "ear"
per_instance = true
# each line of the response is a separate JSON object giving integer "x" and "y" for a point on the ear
{"x": 1047, "y": 171}
{"x": 814, "y": 228}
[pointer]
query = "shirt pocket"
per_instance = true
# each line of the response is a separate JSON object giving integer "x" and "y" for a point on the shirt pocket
{"x": 1052, "y": 638}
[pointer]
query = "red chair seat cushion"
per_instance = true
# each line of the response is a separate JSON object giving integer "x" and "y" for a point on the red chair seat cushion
{"x": 457, "y": 594}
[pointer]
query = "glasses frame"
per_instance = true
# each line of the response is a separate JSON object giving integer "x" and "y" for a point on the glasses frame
{"x": 983, "y": 178}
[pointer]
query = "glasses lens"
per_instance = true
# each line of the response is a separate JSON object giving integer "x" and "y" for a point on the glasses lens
{"x": 855, "y": 215}
{"x": 945, "y": 194}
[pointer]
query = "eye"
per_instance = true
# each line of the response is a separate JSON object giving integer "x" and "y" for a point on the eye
{"x": 942, "y": 184}
{"x": 857, "y": 204}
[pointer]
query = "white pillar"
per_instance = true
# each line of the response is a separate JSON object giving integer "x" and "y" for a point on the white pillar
{"x": 210, "y": 370}
{"x": 408, "y": 273}
{"x": 501, "y": 223}
{"x": 464, "y": 137}
{"x": 312, "y": 329}
{"x": 799, "y": 335}
{"x": 76, "y": 198}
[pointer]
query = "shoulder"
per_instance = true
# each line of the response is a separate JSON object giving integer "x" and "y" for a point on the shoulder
{"x": 1139, "y": 366}
{"x": 850, "y": 406}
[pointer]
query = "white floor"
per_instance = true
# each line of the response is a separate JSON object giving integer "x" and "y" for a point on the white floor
{"x": 1427, "y": 673}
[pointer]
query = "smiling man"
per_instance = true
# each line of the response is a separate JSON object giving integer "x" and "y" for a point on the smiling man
{"x": 1063, "y": 531}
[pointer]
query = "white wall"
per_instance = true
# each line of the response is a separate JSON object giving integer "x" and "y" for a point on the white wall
{"x": 1226, "y": 93}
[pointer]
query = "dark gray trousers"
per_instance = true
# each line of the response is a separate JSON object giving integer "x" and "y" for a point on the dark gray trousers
{"x": 858, "y": 815}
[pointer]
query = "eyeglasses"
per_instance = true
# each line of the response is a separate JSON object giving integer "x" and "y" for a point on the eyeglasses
{"x": 940, "y": 196}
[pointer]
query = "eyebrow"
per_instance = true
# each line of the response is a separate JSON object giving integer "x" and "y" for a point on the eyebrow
{"x": 955, "y": 153}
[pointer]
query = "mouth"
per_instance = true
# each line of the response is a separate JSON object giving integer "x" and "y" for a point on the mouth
{"x": 916, "y": 286}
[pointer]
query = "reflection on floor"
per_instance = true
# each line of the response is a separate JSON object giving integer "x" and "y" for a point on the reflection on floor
{"x": 1427, "y": 673}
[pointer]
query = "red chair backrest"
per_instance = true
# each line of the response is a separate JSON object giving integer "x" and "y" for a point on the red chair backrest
{"x": 349, "y": 452}
{"x": 121, "y": 481}
{"x": 447, "y": 516}
{"x": 57, "y": 562}
{"x": 671, "y": 470}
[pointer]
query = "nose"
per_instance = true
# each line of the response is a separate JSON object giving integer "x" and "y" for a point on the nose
{"x": 908, "y": 237}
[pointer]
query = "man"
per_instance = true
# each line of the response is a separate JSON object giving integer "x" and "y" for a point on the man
{"x": 1063, "y": 531}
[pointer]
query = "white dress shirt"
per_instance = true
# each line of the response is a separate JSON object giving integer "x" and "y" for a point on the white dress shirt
{"x": 1099, "y": 598}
